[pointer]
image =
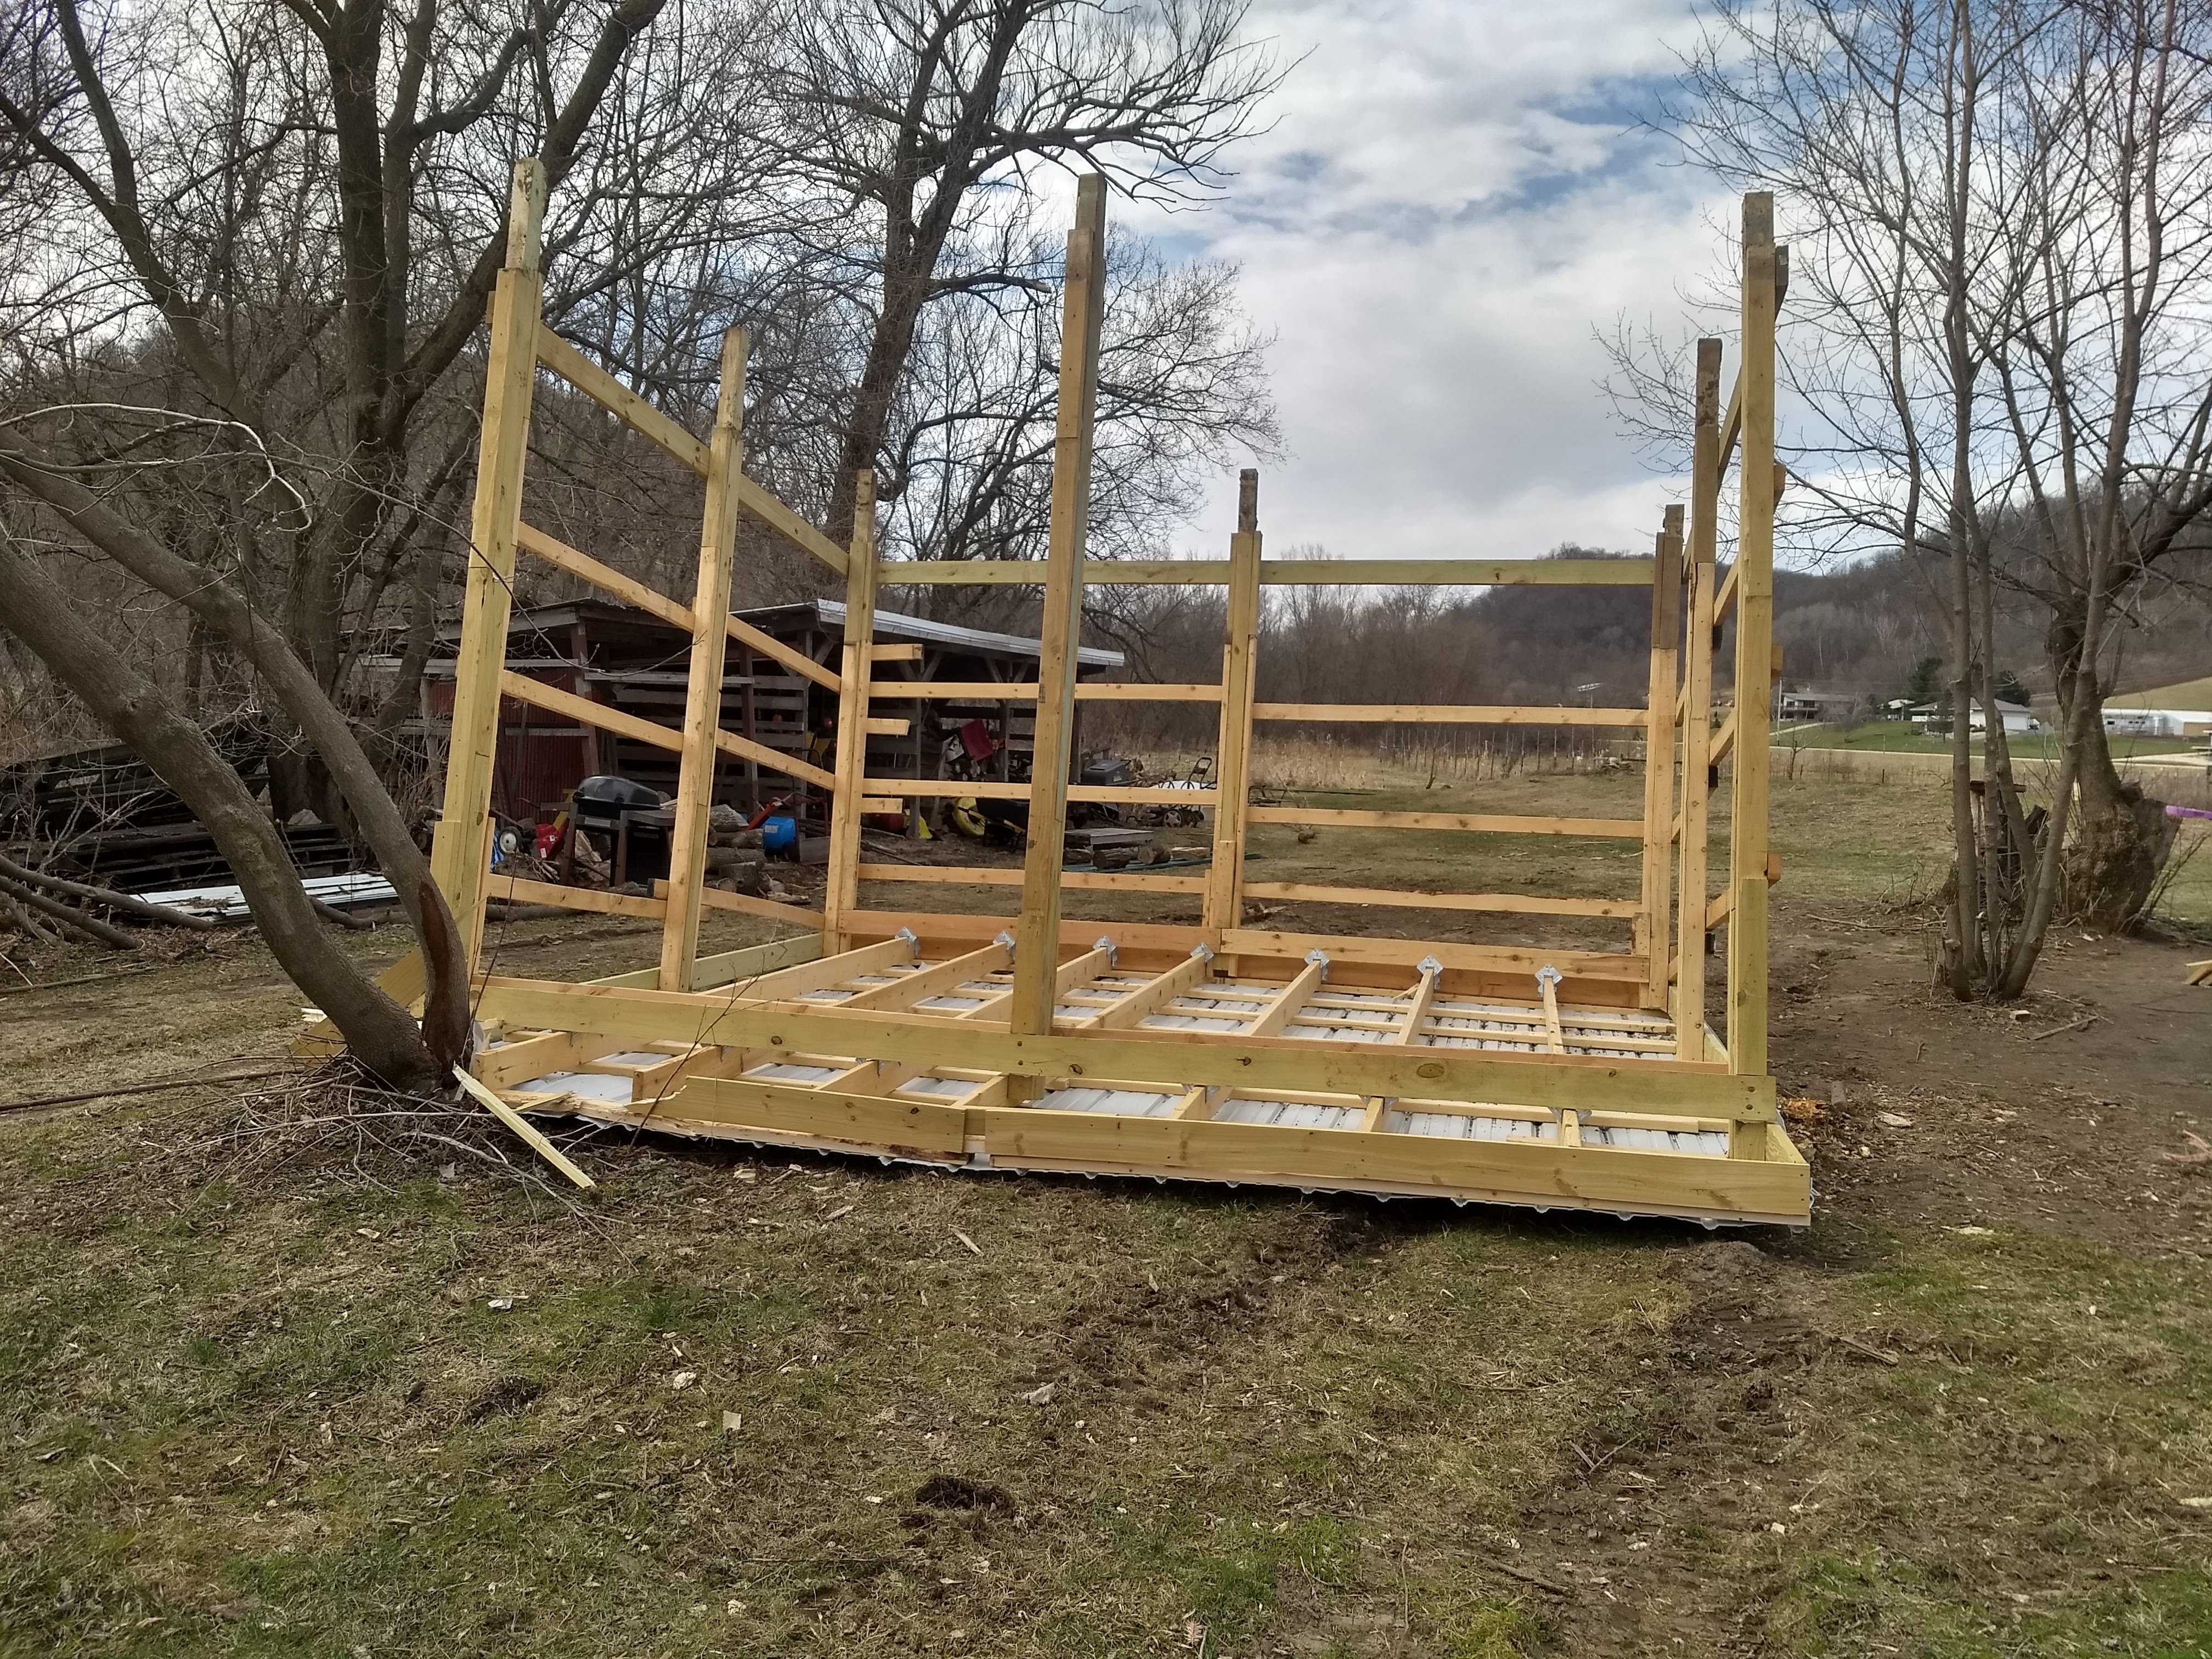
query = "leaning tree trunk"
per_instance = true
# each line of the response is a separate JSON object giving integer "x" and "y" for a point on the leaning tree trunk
{"x": 377, "y": 1030}
{"x": 2121, "y": 835}
{"x": 2121, "y": 839}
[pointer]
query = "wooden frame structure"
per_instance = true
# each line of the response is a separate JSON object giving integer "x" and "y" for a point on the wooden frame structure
{"x": 1210, "y": 1051}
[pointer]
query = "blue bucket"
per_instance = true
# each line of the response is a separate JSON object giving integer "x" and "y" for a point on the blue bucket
{"x": 779, "y": 834}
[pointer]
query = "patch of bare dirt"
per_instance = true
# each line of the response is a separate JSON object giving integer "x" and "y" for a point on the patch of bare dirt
{"x": 2069, "y": 1111}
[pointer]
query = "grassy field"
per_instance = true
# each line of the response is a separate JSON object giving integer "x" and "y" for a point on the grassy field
{"x": 386, "y": 1405}
{"x": 1901, "y": 737}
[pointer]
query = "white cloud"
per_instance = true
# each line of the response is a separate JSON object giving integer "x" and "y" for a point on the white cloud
{"x": 1451, "y": 201}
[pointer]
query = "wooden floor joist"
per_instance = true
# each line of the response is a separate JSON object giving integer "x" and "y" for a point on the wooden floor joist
{"x": 1201, "y": 1043}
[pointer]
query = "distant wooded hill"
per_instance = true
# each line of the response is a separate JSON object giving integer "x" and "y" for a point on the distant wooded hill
{"x": 1861, "y": 630}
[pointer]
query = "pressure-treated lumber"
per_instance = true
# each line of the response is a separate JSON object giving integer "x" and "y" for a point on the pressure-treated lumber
{"x": 1026, "y": 691}
{"x": 1239, "y": 667}
{"x": 518, "y": 889}
{"x": 703, "y": 695}
{"x": 1651, "y": 926}
{"x": 558, "y": 554}
{"x": 986, "y": 789}
{"x": 1494, "y": 823}
{"x": 943, "y": 875}
{"x": 641, "y": 417}
{"x": 1689, "y": 974}
{"x": 1285, "y": 573}
{"x": 1426, "y": 714}
{"x": 842, "y": 890}
{"x": 1552, "y": 1081}
{"x": 457, "y": 856}
{"x": 1052, "y": 745}
{"x": 1526, "y": 904}
{"x": 1754, "y": 574}
{"x": 585, "y": 712}
{"x": 522, "y": 1127}
{"x": 1029, "y": 1041}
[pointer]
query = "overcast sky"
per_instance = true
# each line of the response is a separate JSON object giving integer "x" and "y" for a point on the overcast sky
{"x": 1453, "y": 197}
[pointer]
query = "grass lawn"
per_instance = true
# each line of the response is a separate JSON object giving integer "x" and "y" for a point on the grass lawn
{"x": 760, "y": 1405}
{"x": 1900, "y": 736}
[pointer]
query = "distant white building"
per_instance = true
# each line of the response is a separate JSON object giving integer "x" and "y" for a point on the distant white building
{"x": 2167, "y": 711}
{"x": 1828, "y": 708}
{"x": 2019, "y": 720}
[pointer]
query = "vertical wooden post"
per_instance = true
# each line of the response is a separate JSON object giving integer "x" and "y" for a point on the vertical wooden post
{"x": 1654, "y": 935}
{"x": 703, "y": 698}
{"x": 457, "y": 856}
{"x": 1232, "y": 764}
{"x": 1698, "y": 708}
{"x": 1754, "y": 628}
{"x": 1082, "y": 312}
{"x": 841, "y": 895}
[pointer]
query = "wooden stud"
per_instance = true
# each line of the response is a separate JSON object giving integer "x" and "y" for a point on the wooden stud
{"x": 1689, "y": 1003}
{"x": 1224, "y": 892}
{"x": 1286, "y": 573}
{"x": 1547, "y": 982}
{"x": 1025, "y": 692}
{"x": 1488, "y": 823}
{"x": 514, "y": 1120}
{"x": 1283, "y": 1008}
{"x": 641, "y": 417}
{"x": 1754, "y": 579}
{"x": 939, "y": 875}
{"x": 702, "y": 697}
{"x": 1525, "y": 904}
{"x": 1653, "y": 926}
{"x": 842, "y": 893}
{"x": 607, "y": 718}
{"x": 1187, "y": 1058}
{"x": 923, "y": 983}
{"x": 1128, "y": 1012}
{"x": 1403, "y": 713}
{"x": 511, "y": 365}
{"x": 1081, "y": 317}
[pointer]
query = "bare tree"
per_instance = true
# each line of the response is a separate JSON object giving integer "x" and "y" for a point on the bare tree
{"x": 1183, "y": 388}
{"x": 928, "y": 123}
{"x": 264, "y": 258}
{"x": 1997, "y": 333}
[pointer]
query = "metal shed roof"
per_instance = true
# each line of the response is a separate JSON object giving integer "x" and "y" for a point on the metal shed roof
{"x": 831, "y": 614}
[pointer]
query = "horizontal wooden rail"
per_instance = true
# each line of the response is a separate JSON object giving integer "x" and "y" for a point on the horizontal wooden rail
{"x": 1429, "y": 714}
{"x": 647, "y": 421}
{"x": 585, "y": 712}
{"x": 520, "y": 889}
{"x": 607, "y": 580}
{"x": 1499, "y": 823}
{"x": 582, "y": 566}
{"x": 1281, "y": 573}
{"x": 1525, "y": 904}
{"x": 1118, "y": 795}
{"x": 1026, "y": 691}
{"x": 1135, "y": 881}
{"x": 745, "y": 904}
